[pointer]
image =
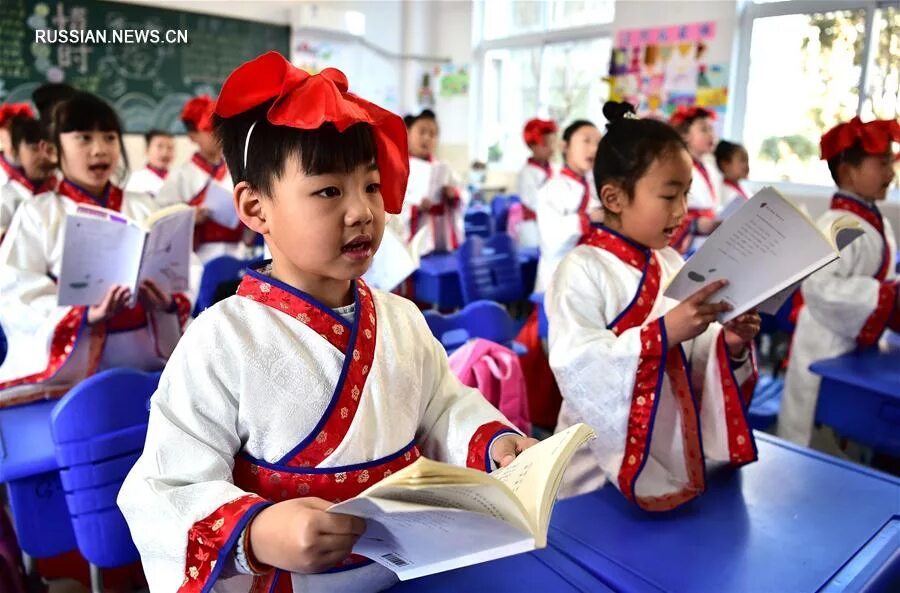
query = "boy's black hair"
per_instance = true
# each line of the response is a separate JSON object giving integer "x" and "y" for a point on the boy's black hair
{"x": 630, "y": 146}
{"x": 189, "y": 125}
{"x": 323, "y": 150}
{"x": 574, "y": 127}
{"x": 410, "y": 120}
{"x": 853, "y": 156}
{"x": 725, "y": 151}
{"x": 85, "y": 112}
{"x": 149, "y": 136}
{"x": 25, "y": 129}
{"x": 49, "y": 95}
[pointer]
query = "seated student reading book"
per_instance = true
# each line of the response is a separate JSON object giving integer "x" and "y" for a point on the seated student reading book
{"x": 158, "y": 248}
{"x": 765, "y": 248}
{"x": 430, "y": 516}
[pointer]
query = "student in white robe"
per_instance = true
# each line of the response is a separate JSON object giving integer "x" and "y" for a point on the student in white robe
{"x": 540, "y": 137}
{"x": 10, "y": 112}
{"x": 663, "y": 384}
{"x": 695, "y": 126}
{"x": 160, "y": 152}
{"x": 848, "y": 304}
{"x": 52, "y": 347}
{"x": 189, "y": 183}
{"x": 307, "y": 386}
{"x": 733, "y": 163}
{"x": 440, "y": 212}
{"x": 33, "y": 175}
{"x": 566, "y": 205}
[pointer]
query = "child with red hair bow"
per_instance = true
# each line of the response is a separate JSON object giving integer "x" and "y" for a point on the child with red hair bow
{"x": 848, "y": 304}
{"x": 307, "y": 386}
{"x": 9, "y": 112}
{"x": 540, "y": 137}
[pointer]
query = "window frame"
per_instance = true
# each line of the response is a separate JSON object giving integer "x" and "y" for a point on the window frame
{"x": 535, "y": 39}
{"x": 747, "y": 13}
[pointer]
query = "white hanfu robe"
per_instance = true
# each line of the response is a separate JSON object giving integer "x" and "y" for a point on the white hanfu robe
{"x": 148, "y": 180}
{"x": 439, "y": 228}
{"x": 52, "y": 347}
{"x": 655, "y": 424}
{"x": 529, "y": 181}
{"x": 187, "y": 184}
{"x": 16, "y": 189}
{"x": 271, "y": 396}
{"x": 703, "y": 202}
{"x": 562, "y": 216}
{"x": 847, "y": 305}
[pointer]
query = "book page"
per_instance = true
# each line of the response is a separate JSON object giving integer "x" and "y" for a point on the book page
{"x": 535, "y": 475}
{"x": 733, "y": 206}
{"x": 100, "y": 249}
{"x": 393, "y": 262}
{"x": 419, "y": 184}
{"x": 415, "y": 540}
{"x": 220, "y": 203}
{"x": 440, "y": 178}
{"x": 764, "y": 247}
{"x": 167, "y": 253}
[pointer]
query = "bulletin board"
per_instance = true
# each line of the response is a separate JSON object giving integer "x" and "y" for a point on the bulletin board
{"x": 660, "y": 68}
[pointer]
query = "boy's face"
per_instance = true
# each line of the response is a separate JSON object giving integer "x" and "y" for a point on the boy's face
{"x": 34, "y": 159}
{"x": 207, "y": 144}
{"x": 871, "y": 178}
{"x": 423, "y": 138}
{"x": 322, "y": 230}
{"x": 161, "y": 151}
{"x": 738, "y": 166}
{"x": 544, "y": 153}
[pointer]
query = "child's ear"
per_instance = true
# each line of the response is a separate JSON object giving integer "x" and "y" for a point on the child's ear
{"x": 613, "y": 198}
{"x": 249, "y": 205}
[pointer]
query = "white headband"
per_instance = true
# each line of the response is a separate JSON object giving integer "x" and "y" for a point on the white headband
{"x": 247, "y": 143}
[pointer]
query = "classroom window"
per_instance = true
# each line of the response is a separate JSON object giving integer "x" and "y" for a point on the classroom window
{"x": 562, "y": 81}
{"x": 505, "y": 18}
{"x": 807, "y": 71}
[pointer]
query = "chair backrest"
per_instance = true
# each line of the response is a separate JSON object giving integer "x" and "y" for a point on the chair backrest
{"x": 224, "y": 268}
{"x": 481, "y": 319}
{"x": 477, "y": 222}
{"x": 499, "y": 209}
{"x": 99, "y": 429}
{"x": 489, "y": 269}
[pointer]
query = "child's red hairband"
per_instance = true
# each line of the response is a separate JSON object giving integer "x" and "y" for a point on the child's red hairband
{"x": 11, "y": 110}
{"x": 875, "y": 137}
{"x": 535, "y": 129}
{"x": 683, "y": 114}
{"x": 198, "y": 111}
{"x": 307, "y": 102}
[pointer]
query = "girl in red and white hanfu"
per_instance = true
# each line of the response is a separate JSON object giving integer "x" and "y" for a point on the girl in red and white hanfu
{"x": 540, "y": 137}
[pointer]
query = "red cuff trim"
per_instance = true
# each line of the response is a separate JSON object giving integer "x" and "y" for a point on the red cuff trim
{"x": 479, "y": 445}
{"x": 183, "y": 307}
{"x": 885, "y": 311}
{"x": 741, "y": 446}
{"x": 212, "y": 539}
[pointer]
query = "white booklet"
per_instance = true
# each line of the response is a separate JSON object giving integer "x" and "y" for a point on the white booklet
{"x": 764, "y": 249}
{"x": 220, "y": 204}
{"x": 393, "y": 262}
{"x": 102, "y": 248}
{"x": 431, "y": 517}
{"x": 426, "y": 179}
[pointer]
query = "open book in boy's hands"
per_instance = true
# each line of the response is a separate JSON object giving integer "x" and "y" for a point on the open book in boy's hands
{"x": 101, "y": 248}
{"x": 764, "y": 250}
{"x": 430, "y": 516}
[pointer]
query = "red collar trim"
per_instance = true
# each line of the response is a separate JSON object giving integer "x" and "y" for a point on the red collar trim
{"x": 111, "y": 199}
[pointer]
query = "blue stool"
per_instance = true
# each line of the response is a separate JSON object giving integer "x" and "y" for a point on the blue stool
{"x": 99, "y": 429}
{"x": 481, "y": 319}
{"x": 216, "y": 271}
{"x": 500, "y": 210}
{"x": 766, "y": 402}
{"x": 477, "y": 222}
{"x": 489, "y": 269}
{"x": 538, "y": 299}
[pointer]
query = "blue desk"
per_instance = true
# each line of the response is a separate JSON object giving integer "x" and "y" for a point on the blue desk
{"x": 437, "y": 279}
{"x": 860, "y": 398}
{"x": 796, "y": 521}
{"x": 544, "y": 571}
{"x": 29, "y": 469}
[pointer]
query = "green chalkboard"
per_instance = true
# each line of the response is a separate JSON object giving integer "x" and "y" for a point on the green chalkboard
{"x": 146, "y": 81}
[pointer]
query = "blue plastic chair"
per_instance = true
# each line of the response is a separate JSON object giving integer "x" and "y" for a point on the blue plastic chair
{"x": 481, "y": 319}
{"x": 500, "y": 210}
{"x": 216, "y": 271}
{"x": 489, "y": 269}
{"x": 477, "y": 222}
{"x": 766, "y": 402}
{"x": 99, "y": 429}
